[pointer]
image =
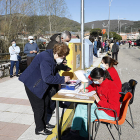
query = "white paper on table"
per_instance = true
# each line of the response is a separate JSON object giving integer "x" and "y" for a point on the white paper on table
{"x": 90, "y": 93}
{"x": 68, "y": 91}
{"x": 80, "y": 74}
{"x": 81, "y": 93}
{"x": 81, "y": 97}
{"x": 70, "y": 95}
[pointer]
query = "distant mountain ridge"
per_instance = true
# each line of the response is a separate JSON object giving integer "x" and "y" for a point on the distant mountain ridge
{"x": 113, "y": 24}
{"x": 64, "y": 23}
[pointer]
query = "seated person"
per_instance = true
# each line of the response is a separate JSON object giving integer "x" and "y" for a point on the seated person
{"x": 108, "y": 63}
{"x": 107, "y": 96}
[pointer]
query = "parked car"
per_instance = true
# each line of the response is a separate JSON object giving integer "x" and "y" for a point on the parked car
{"x": 135, "y": 43}
{"x": 138, "y": 42}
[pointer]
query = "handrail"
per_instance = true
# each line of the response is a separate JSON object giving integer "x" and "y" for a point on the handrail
{"x": 24, "y": 56}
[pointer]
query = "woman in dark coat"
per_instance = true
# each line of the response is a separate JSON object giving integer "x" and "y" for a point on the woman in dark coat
{"x": 38, "y": 78}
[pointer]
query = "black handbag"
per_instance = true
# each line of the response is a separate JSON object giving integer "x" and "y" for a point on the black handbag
{"x": 19, "y": 57}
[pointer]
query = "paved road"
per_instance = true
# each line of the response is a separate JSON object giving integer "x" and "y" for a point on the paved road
{"x": 128, "y": 68}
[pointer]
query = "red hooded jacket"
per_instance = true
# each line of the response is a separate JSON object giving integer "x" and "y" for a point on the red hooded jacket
{"x": 115, "y": 77}
{"x": 109, "y": 96}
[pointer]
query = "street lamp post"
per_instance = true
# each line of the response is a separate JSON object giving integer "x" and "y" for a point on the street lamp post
{"x": 109, "y": 17}
{"x": 125, "y": 29}
{"x": 82, "y": 34}
{"x": 93, "y": 26}
{"x": 105, "y": 26}
{"x": 121, "y": 24}
{"x": 118, "y": 22}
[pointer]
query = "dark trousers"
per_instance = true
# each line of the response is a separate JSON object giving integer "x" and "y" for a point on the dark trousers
{"x": 95, "y": 51}
{"x": 115, "y": 55}
{"x": 12, "y": 66}
{"x": 52, "y": 104}
{"x": 29, "y": 60}
{"x": 39, "y": 107}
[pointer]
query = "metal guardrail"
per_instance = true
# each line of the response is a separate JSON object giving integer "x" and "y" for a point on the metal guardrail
{"x": 23, "y": 57}
{"x": 5, "y": 64}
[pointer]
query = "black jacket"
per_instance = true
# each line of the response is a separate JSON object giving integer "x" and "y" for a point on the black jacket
{"x": 115, "y": 48}
{"x": 98, "y": 44}
{"x": 53, "y": 41}
{"x": 51, "y": 45}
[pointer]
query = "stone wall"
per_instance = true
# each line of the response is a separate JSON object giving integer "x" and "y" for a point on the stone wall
{"x": 5, "y": 69}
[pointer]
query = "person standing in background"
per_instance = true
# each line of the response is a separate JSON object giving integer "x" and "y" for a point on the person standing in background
{"x": 115, "y": 50}
{"x": 14, "y": 52}
{"x": 103, "y": 45}
{"x": 132, "y": 43}
{"x": 110, "y": 46}
{"x": 98, "y": 47}
{"x": 129, "y": 43}
{"x": 31, "y": 49}
{"x": 95, "y": 47}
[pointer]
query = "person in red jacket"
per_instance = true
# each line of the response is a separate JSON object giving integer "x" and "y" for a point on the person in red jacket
{"x": 107, "y": 96}
{"x": 108, "y": 63}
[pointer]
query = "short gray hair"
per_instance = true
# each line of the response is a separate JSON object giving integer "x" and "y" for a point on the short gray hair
{"x": 66, "y": 34}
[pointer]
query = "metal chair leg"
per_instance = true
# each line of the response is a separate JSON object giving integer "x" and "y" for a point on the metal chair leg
{"x": 119, "y": 131}
{"x": 111, "y": 126}
{"x": 92, "y": 128}
{"x": 131, "y": 116}
{"x": 96, "y": 130}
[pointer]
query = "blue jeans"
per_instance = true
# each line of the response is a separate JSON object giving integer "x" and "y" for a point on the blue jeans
{"x": 106, "y": 48}
{"x": 12, "y": 66}
{"x": 95, "y": 51}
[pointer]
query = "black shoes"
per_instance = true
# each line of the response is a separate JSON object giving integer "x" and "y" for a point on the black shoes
{"x": 62, "y": 105}
{"x": 43, "y": 132}
{"x": 50, "y": 126}
{"x": 17, "y": 75}
{"x": 71, "y": 136}
{"x": 11, "y": 76}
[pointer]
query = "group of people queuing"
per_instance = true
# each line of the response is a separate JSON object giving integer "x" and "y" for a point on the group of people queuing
{"x": 132, "y": 43}
{"x": 31, "y": 49}
{"x": 109, "y": 46}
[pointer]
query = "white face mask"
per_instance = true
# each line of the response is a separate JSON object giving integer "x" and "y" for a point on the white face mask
{"x": 102, "y": 66}
{"x": 31, "y": 41}
{"x": 96, "y": 82}
{"x": 14, "y": 44}
{"x": 67, "y": 43}
{"x": 59, "y": 60}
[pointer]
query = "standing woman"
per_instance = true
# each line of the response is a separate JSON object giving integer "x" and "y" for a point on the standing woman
{"x": 14, "y": 51}
{"x": 110, "y": 46}
{"x": 38, "y": 78}
{"x": 107, "y": 96}
{"x": 108, "y": 63}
